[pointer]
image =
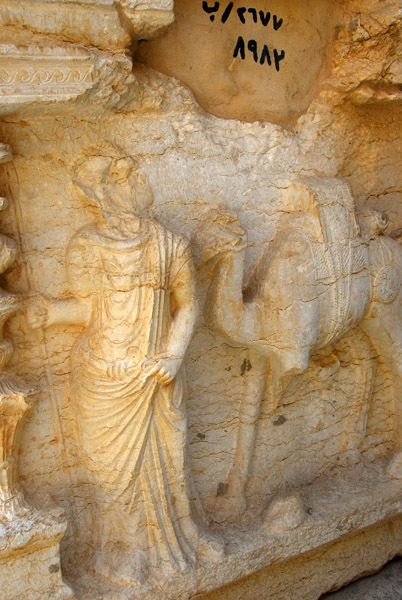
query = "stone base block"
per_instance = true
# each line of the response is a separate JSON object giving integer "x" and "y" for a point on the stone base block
{"x": 328, "y": 568}
{"x": 352, "y": 527}
{"x": 30, "y": 558}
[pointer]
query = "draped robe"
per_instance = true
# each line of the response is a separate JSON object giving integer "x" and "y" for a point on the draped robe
{"x": 132, "y": 429}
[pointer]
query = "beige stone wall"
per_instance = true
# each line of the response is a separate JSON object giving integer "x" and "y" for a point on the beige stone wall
{"x": 210, "y": 131}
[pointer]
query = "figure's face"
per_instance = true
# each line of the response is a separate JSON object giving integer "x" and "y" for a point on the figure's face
{"x": 116, "y": 185}
{"x": 126, "y": 183}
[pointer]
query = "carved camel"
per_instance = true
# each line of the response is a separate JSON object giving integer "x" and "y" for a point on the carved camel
{"x": 324, "y": 274}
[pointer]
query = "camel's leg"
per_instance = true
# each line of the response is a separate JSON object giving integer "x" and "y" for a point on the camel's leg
{"x": 249, "y": 411}
{"x": 360, "y": 397}
{"x": 383, "y": 325}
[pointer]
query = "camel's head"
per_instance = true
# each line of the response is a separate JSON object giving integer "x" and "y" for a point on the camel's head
{"x": 220, "y": 233}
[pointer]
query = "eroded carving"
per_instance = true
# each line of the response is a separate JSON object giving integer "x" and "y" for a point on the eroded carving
{"x": 133, "y": 285}
{"x": 16, "y": 398}
{"x": 24, "y": 530}
{"x": 316, "y": 479}
{"x": 326, "y": 272}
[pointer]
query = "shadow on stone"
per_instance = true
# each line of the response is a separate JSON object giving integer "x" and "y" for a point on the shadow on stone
{"x": 385, "y": 585}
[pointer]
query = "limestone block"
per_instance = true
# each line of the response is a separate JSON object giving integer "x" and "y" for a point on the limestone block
{"x": 132, "y": 280}
{"x": 118, "y": 269}
{"x": 269, "y": 63}
{"x": 29, "y": 539}
{"x": 34, "y": 572}
{"x": 106, "y": 24}
{"x": 369, "y": 39}
{"x": 307, "y": 575}
{"x": 385, "y": 584}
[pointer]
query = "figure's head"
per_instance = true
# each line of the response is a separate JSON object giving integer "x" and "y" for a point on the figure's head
{"x": 111, "y": 180}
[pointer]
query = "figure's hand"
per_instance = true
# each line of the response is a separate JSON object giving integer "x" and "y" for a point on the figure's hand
{"x": 37, "y": 311}
{"x": 119, "y": 369}
{"x": 163, "y": 369}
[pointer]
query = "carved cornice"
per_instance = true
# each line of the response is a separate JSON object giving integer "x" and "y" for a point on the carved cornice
{"x": 29, "y": 71}
{"x": 37, "y": 75}
{"x": 60, "y": 51}
{"x": 107, "y": 24}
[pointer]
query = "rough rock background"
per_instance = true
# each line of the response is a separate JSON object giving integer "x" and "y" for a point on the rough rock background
{"x": 195, "y": 160}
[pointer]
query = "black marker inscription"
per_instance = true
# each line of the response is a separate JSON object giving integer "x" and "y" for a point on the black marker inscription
{"x": 210, "y": 9}
{"x": 254, "y": 14}
{"x": 278, "y": 58}
{"x": 265, "y": 56}
{"x": 239, "y": 49}
{"x": 264, "y": 18}
{"x": 277, "y": 22}
{"x": 252, "y": 47}
{"x": 241, "y": 12}
{"x": 259, "y": 55}
{"x": 227, "y": 12}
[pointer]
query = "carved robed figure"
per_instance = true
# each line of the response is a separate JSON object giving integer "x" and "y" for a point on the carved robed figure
{"x": 133, "y": 283}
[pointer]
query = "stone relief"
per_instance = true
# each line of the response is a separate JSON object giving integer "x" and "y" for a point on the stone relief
{"x": 222, "y": 428}
{"x": 16, "y": 397}
{"x": 133, "y": 286}
{"x": 327, "y": 271}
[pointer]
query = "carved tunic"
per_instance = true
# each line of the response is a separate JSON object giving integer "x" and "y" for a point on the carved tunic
{"x": 132, "y": 429}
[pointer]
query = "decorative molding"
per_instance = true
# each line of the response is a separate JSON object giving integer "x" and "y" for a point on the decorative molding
{"x": 43, "y": 73}
{"x": 33, "y": 78}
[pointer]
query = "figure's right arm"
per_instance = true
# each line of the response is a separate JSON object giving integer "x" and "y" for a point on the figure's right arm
{"x": 43, "y": 311}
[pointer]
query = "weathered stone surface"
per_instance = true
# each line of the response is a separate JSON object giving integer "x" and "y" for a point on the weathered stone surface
{"x": 107, "y": 24}
{"x": 61, "y": 79}
{"x": 258, "y": 259}
{"x": 305, "y": 576}
{"x": 30, "y": 556}
{"x": 268, "y": 62}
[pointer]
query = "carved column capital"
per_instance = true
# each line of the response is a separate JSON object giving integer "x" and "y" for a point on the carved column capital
{"x": 16, "y": 399}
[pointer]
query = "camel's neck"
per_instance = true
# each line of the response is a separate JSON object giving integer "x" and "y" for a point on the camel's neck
{"x": 226, "y": 296}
